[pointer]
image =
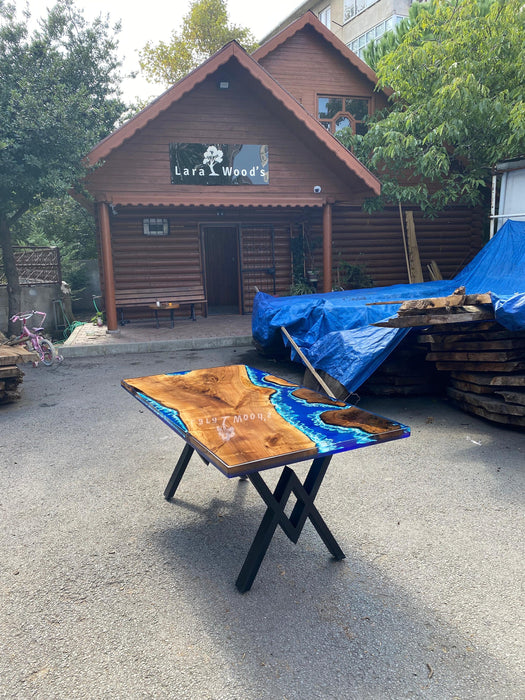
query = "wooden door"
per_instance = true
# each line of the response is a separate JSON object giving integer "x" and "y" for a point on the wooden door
{"x": 221, "y": 265}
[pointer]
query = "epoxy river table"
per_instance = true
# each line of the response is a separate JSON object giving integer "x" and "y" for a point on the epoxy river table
{"x": 242, "y": 421}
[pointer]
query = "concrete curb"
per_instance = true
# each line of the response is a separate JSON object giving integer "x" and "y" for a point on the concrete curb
{"x": 120, "y": 348}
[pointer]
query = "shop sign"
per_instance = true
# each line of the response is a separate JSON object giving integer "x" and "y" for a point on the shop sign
{"x": 219, "y": 164}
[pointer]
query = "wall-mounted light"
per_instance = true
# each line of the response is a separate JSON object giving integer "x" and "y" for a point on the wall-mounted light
{"x": 223, "y": 84}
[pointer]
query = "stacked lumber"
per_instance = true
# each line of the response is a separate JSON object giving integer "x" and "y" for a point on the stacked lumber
{"x": 440, "y": 311}
{"x": 10, "y": 374}
{"x": 486, "y": 369}
{"x": 405, "y": 372}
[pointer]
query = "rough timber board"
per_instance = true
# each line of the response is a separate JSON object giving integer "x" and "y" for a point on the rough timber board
{"x": 517, "y": 421}
{"x": 494, "y": 367}
{"x": 416, "y": 306}
{"x": 489, "y": 344}
{"x": 452, "y": 356}
{"x": 487, "y": 403}
{"x": 517, "y": 397}
{"x": 423, "y": 320}
{"x": 14, "y": 354}
{"x": 490, "y": 379}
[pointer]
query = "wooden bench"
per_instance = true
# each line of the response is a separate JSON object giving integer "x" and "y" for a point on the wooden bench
{"x": 134, "y": 298}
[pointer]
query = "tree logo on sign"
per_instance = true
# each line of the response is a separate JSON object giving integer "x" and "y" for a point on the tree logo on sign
{"x": 213, "y": 155}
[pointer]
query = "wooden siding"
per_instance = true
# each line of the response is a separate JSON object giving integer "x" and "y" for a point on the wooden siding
{"x": 139, "y": 171}
{"x": 375, "y": 241}
{"x": 157, "y": 262}
{"x": 307, "y": 67}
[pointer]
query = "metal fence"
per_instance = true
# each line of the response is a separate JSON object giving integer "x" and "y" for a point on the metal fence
{"x": 35, "y": 265}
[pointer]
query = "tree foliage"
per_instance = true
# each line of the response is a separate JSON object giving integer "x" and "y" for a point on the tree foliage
{"x": 58, "y": 98}
{"x": 457, "y": 105}
{"x": 205, "y": 29}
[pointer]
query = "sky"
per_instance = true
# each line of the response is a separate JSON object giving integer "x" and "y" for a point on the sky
{"x": 154, "y": 21}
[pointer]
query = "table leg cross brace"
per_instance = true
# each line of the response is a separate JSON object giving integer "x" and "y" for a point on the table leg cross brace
{"x": 292, "y": 526}
{"x": 275, "y": 512}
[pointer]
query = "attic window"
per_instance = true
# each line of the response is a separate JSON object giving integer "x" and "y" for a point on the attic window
{"x": 336, "y": 113}
{"x": 156, "y": 227}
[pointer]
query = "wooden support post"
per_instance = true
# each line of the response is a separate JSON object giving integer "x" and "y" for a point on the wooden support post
{"x": 327, "y": 247}
{"x": 107, "y": 266}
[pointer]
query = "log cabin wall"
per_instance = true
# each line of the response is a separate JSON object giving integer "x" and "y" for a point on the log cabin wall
{"x": 375, "y": 241}
{"x": 156, "y": 262}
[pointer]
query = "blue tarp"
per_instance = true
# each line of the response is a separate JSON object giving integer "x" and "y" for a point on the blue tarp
{"x": 334, "y": 332}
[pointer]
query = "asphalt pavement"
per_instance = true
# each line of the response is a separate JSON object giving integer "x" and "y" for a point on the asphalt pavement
{"x": 109, "y": 591}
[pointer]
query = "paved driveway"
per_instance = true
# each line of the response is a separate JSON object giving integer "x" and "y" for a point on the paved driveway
{"x": 108, "y": 591}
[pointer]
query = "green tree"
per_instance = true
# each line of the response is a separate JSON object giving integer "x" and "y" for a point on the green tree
{"x": 58, "y": 98}
{"x": 457, "y": 105}
{"x": 205, "y": 29}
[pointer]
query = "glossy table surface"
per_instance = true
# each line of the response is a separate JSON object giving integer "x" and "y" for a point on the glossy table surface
{"x": 242, "y": 419}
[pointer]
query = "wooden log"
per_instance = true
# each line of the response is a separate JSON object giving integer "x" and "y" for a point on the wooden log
{"x": 468, "y": 334}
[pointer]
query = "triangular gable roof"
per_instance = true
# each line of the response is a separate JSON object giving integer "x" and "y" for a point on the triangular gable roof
{"x": 234, "y": 51}
{"x": 310, "y": 20}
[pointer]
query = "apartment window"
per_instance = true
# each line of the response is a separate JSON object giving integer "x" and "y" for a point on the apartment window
{"x": 354, "y": 7}
{"x": 336, "y": 113}
{"x": 359, "y": 44}
{"x": 325, "y": 17}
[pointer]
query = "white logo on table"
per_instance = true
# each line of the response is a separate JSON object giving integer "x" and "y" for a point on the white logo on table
{"x": 225, "y": 425}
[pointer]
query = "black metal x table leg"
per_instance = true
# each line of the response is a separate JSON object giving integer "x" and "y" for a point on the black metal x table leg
{"x": 275, "y": 512}
{"x": 276, "y": 503}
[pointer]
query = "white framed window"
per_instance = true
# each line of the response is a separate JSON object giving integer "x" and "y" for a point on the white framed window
{"x": 156, "y": 227}
{"x": 325, "y": 17}
{"x": 354, "y": 7}
{"x": 359, "y": 44}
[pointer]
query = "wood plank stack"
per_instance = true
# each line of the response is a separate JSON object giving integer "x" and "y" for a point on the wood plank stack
{"x": 484, "y": 362}
{"x": 442, "y": 311}
{"x": 486, "y": 369}
{"x": 10, "y": 374}
{"x": 405, "y": 372}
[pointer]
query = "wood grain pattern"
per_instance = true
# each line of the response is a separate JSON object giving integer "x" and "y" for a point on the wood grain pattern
{"x": 242, "y": 419}
{"x": 356, "y": 418}
{"x": 223, "y": 413}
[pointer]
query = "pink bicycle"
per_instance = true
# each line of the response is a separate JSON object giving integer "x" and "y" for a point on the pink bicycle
{"x": 44, "y": 347}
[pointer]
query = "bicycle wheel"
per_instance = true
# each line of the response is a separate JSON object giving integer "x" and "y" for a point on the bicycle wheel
{"x": 48, "y": 352}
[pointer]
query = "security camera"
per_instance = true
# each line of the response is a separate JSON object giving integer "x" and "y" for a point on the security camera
{"x": 317, "y": 189}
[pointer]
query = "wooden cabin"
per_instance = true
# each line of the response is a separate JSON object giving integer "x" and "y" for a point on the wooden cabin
{"x": 200, "y": 197}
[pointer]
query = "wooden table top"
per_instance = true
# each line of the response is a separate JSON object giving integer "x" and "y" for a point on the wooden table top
{"x": 242, "y": 419}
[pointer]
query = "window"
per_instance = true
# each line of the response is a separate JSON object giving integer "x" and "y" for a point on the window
{"x": 156, "y": 227}
{"x": 359, "y": 44}
{"x": 336, "y": 113}
{"x": 354, "y": 7}
{"x": 325, "y": 17}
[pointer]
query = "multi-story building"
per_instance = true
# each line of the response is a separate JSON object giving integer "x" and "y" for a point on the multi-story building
{"x": 355, "y": 22}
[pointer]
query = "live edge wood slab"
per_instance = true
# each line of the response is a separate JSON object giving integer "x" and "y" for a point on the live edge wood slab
{"x": 242, "y": 419}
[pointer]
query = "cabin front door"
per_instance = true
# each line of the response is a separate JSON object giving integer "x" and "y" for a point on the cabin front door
{"x": 221, "y": 268}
